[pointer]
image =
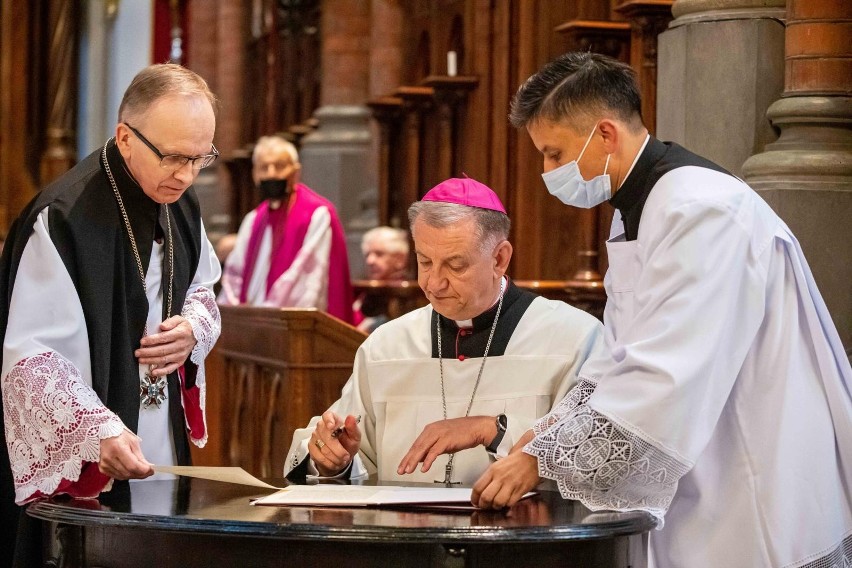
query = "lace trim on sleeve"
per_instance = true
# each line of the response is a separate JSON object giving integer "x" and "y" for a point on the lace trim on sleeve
{"x": 54, "y": 423}
{"x": 202, "y": 313}
{"x": 839, "y": 557}
{"x": 599, "y": 463}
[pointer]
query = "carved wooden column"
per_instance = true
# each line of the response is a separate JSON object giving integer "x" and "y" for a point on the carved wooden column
{"x": 648, "y": 18}
{"x": 387, "y": 111}
{"x": 18, "y": 169}
{"x": 607, "y": 38}
{"x": 806, "y": 176}
{"x": 60, "y": 152}
{"x": 612, "y": 39}
{"x": 415, "y": 101}
{"x": 450, "y": 93}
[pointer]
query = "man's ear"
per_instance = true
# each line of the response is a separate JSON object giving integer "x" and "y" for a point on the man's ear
{"x": 122, "y": 139}
{"x": 610, "y": 132}
{"x": 296, "y": 176}
{"x": 502, "y": 256}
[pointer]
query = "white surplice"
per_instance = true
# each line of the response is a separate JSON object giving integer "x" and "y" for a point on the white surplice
{"x": 54, "y": 420}
{"x": 303, "y": 285}
{"x": 723, "y": 403}
{"x": 396, "y": 388}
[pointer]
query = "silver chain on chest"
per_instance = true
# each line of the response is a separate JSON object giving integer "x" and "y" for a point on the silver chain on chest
{"x": 449, "y": 467}
{"x": 152, "y": 389}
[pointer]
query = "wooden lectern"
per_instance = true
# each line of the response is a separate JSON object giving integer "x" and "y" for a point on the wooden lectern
{"x": 270, "y": 372}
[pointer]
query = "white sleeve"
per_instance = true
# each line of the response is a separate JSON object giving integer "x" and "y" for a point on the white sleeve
{"x": 202, "y": 313}
{"x": 642, "y": 415}
{"x": 355, "y": 399}
{"x": 200, "y": 304}
{"x": 232, "y": 278}
{"x": 305, "y": 283}
{"x": 585, "y": 340}
{"x": 54, "y": 420}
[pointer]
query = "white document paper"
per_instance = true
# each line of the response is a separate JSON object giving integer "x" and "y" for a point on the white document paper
{"x": 366, "y": 496}
{"x": 226, "y": 474}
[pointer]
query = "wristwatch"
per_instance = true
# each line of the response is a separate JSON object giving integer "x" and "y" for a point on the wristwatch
{"x": 502, "y": 423}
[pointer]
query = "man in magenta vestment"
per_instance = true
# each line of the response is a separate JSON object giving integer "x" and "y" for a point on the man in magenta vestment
{"x": 290, "y": 250}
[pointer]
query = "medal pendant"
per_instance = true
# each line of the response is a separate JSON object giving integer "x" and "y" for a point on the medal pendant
{"x": 152, "y": 390}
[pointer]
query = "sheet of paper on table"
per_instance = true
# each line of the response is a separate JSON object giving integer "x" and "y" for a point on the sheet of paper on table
{"x": 366, "y": 496}
{"x": 328, "y": 495}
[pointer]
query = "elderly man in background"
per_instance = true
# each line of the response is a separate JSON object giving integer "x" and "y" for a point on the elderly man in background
{"x": 108, "y": 310}
{"x": 290, "y": 250}
{"x": 386, "y": 256}
{"x": 386, "y": 253}
{"x": 454, "y": 384}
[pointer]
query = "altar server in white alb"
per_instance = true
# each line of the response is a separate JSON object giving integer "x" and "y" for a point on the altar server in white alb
{"x": 722, "y": 404}
{"x": 107, "y": 306}
{"x": 444, "y": 390}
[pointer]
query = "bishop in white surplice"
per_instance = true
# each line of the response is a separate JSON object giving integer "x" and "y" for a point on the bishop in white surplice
{"x": 445, "y": 390}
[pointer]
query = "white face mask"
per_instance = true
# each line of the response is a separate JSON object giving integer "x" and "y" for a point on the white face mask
{"x": 567, "y": 184}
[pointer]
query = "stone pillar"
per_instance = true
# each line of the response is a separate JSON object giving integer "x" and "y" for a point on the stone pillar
{"x": 720, "y": 66}
{"x": 806, "y": 176}
{"x": 336, "y": 157}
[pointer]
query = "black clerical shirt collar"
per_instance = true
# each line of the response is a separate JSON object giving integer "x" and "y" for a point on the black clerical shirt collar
{"x": 634, "y": 191}
{"x": 630, "y": 192}
{"x": 472, "y": 341}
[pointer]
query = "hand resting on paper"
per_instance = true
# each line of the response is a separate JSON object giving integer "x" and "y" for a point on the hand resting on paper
{"x": 332, "y": 453}
{"x": 506, "y": 481}
{"x": 446, "y": 437}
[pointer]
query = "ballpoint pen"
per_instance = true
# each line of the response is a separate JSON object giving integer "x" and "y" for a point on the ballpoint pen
{"x": 339, "y": 430}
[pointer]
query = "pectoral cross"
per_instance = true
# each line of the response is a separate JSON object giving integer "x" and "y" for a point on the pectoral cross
{"x": 152, "y": 390}
{"x": 448, "y": 475}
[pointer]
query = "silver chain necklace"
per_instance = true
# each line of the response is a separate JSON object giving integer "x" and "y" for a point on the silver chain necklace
{"x": 152, "y": 390}
{"x": 448, "y": 470}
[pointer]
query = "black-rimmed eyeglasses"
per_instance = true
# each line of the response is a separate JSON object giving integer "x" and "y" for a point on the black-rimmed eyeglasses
{"x": 174, "y": 162}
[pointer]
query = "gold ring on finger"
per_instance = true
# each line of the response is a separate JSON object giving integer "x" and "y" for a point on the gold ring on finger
{"x": 319, "y": 444}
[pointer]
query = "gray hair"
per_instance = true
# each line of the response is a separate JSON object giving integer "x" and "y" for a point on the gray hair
{"x": 395, "y": 239}
{"x": 579, "y": 86}
{"x": 275, "y": 140}
{"x": 161, "y": 80}
{"x": 491, "y": 226}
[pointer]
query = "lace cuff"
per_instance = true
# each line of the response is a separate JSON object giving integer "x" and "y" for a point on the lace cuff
{"x": 54, "y": 423}
{"x": 202, "y": 313}
{"x": 600, "y": 463}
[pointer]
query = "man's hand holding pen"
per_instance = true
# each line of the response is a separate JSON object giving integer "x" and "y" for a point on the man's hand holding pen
{"x": 334, "y": 443}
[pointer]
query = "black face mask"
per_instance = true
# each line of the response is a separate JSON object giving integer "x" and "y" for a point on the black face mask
{"x": 273, "y": 189}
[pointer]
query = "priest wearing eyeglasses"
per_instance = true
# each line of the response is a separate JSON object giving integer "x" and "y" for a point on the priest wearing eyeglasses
{"x": 107, "y": 306}
{"x": 441, "y": 392}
